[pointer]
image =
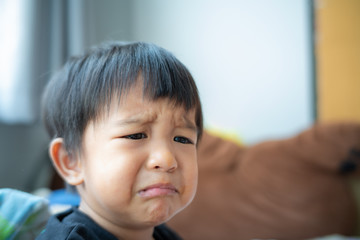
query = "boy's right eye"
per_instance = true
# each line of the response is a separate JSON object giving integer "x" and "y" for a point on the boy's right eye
{"x": 136, "y": 136}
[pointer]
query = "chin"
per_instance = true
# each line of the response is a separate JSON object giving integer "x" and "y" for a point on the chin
{"x": 161, "y": 214}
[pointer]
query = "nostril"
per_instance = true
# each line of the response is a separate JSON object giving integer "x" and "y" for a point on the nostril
{"x": 157, "y": 167}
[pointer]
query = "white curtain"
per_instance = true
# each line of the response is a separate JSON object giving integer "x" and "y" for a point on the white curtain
{"x": 37, "y": 36}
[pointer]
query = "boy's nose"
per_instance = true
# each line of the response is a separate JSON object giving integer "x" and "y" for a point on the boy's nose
{"x": 162, "y": 160}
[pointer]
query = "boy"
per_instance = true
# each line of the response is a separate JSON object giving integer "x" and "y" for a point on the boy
{"x": 125, "y": 120}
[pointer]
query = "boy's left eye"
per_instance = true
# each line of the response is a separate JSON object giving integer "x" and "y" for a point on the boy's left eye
{"x": 182, "y": 140}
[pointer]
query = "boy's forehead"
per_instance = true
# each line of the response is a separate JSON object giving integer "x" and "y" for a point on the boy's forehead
{"x": 135, "y": 103}
{"x": 151, "y": 109}
{"x": 134, "y": 106}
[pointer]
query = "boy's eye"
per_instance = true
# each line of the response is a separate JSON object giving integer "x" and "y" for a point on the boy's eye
{"x": 136, "y": 136}
{"x": 182, "y": 140}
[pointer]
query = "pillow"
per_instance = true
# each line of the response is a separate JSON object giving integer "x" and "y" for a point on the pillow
{"x": 293, "y": 188}
{"x": 22, "y": 215}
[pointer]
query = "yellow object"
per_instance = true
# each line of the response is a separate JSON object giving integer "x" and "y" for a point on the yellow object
{"x": 338, "y": 59}
{"x": 225, "y": 134}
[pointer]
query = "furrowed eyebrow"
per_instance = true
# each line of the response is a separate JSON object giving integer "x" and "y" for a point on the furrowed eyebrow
{"x": 129, "y": 122}
{"x": 141, "y": 119}
{"x": 189, "y": 124}
{"x": 137, "y": 119}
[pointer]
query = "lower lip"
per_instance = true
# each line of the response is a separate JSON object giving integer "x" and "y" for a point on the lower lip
{"x": 157, "y": 192}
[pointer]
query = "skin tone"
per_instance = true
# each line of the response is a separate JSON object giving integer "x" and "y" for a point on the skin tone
{"x": 138, "y": 165}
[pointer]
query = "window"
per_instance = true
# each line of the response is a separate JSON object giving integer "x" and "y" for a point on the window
{"x": 15, "y": 97}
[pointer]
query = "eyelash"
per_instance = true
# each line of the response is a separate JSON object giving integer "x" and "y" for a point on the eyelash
{"x": 138, "y": 136}
{"x": 182, "y": 140}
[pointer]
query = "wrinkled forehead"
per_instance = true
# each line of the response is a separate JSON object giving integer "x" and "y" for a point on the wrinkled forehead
{"x": 136, "y": 101}
{"x": 134, "y": 111}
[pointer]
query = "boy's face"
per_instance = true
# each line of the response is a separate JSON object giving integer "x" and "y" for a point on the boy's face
{"x": 139, "y": 163}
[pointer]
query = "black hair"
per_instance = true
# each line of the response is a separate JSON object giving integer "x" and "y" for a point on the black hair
{"x": 84, "y": 87}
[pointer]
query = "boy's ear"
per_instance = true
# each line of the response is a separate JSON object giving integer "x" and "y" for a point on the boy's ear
{"x": 69, "y": 167}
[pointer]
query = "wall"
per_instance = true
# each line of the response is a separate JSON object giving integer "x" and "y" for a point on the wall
{"x": 251, "y": 59}
{"x": 109, "y": 20}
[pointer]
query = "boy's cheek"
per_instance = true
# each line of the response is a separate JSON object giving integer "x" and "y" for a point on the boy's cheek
{"x": 192, "y": 181}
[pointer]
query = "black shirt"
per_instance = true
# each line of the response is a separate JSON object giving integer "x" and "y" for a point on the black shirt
{"x": 75, "y": 225}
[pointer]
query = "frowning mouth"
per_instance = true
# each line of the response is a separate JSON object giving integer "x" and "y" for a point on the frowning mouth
{"x": 158, "y": 190}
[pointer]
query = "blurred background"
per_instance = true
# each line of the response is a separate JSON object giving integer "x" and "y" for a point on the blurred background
{"x": 266, "y": 69}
